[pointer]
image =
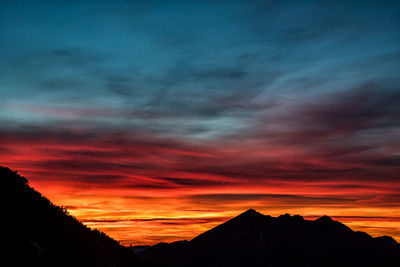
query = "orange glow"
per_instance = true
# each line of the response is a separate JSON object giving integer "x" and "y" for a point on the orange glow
{"x": 144, "y": 191}
{"x": 141, "y": 219}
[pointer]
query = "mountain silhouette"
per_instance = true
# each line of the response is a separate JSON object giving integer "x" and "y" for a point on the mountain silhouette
{"x": 253, "y": 239}
{"x": 36, "y": 232}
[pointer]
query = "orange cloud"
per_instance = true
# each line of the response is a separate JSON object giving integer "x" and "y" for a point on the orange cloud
{"x": 144, "y": 190}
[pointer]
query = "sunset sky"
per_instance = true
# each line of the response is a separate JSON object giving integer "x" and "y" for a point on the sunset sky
{"x": 157, "y": 120}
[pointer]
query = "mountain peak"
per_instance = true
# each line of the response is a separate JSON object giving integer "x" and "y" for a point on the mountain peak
{"x": 254, "y": 239}
{"x": 250, "y": 214}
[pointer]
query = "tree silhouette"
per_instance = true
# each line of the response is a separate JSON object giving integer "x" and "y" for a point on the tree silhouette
{"x": 40, "y": 233}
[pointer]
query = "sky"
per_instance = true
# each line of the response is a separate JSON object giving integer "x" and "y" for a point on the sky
{"x": 154, "y": 121}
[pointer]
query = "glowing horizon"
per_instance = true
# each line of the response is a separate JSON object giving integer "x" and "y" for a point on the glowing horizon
{"x": 156, "y": 121}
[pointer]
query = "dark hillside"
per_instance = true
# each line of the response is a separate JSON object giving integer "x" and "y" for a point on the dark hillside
{"x": 38, "y": 233}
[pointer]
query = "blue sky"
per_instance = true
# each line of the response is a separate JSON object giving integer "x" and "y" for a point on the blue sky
{"x": 138, "y": 110}
{"x": 197, "y": 69}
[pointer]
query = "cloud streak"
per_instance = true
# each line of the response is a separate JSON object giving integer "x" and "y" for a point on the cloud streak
{"x": 133, "y": 111}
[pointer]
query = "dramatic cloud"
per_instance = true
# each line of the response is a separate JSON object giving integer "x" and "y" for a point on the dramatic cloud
{"x": 148, "y": 117}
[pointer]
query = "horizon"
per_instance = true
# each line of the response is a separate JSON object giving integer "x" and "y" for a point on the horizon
{"x": 154, "y": 122}
{"x": 247, "y": 213}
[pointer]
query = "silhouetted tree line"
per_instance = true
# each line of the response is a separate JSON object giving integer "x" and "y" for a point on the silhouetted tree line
{"x": 40, "y": 233}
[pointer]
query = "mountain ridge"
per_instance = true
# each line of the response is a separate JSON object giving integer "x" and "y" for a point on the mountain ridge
{"x": 254, "y": 239}
{"x": 40, "y": 233}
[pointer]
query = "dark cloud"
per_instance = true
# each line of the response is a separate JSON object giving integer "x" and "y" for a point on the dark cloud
{"x": 165, "y": 221}
{"x": 393, "y": 161}
{"x": 294, "y": 198}
{"x": 284, "y": 97}
{"x": 369, "y": 106}
{"x": 192, "y": 182}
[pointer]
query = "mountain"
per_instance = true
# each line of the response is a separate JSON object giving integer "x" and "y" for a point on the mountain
{"x": 36, "y": 232}
{"x": 252, "y": 239}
